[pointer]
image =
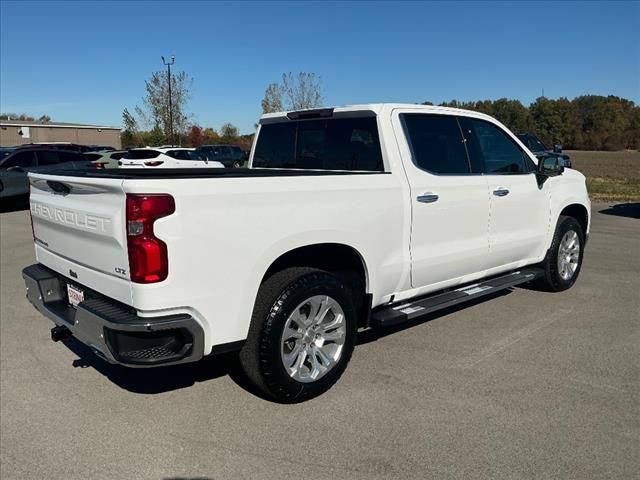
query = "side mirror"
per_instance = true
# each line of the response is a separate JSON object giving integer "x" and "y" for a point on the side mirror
{"x": 548, "y": 167}
{"x": 557, "y": 148}
{"x": 15, "y": 169}
{"x": 551, "y": 165}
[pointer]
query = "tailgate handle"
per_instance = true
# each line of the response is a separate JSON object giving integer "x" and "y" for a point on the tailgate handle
{"x": 58, "y": 187}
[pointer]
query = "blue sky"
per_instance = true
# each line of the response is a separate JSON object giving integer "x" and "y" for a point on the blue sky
{"x": 85, "y": 61}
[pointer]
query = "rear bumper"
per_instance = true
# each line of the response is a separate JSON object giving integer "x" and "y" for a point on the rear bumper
{"x": 111, "y": 329}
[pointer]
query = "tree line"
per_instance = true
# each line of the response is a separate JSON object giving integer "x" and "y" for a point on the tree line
{"x": 588, "y": 122}
{"x": 156, "y": 122}
{"x": 24, "y": 117}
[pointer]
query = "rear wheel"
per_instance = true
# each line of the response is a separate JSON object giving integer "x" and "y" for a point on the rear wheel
{"x": 302, "y": 334}
{"x": 564, "y": 258}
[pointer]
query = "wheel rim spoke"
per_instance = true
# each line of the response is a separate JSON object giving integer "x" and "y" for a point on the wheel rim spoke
{"x": 333, "y": 336}
{"x": 290, "y": 333}
{"x": 323, "y": 309}
{"x": 326, "y": 360}
{"x": 289, "y": 359}
{"x": 302, "y": 356}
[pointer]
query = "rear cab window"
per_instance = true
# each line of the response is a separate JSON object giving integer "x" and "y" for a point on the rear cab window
{"x": 340, "y": 144}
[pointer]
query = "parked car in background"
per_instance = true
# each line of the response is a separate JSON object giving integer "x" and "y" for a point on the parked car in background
{"x": 227, "y": 155}
{"x": 4, "y": 151}
{"x": 539, "y": 149}
{"x": 106, "y": 159}
{"x": 15, "y": 167}
{"x": 72, "y": 147}
{"x": 166, "y": 158}
{"x": 99, "y": 148}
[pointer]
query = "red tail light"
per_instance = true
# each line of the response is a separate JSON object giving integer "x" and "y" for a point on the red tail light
{"x": 154, "y": 163}
{"x": 148, "y": 259}
{"x": 99, "y": 165}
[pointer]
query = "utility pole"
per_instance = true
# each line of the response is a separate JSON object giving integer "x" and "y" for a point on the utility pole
{"x": 168, "y": 64}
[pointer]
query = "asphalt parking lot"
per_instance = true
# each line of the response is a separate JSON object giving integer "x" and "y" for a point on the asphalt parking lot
{"x": 522, "y": 385}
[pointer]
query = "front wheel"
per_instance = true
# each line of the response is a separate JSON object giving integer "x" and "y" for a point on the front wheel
{"x": 302, "y": 334}
{"x": 564, "y": 258}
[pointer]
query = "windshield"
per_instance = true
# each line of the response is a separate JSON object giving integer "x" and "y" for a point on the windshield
{"x": 532, "y": 142}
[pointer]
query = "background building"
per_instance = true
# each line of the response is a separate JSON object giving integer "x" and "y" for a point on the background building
{"x": 19, "y": 132}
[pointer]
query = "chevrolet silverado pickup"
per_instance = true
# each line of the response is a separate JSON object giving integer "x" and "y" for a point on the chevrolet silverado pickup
{"x": 347, "y": 218}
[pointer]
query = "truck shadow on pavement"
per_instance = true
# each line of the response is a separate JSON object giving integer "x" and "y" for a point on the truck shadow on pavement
{"x": 630, "y": 210}
{"x": 165, "y": 379}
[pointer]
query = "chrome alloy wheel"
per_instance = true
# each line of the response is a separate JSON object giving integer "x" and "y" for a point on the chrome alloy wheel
{"x": 568, "y": 255}
{"x": 313, "y": 338}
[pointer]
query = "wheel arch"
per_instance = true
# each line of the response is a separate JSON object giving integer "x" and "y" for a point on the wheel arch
{"x": 580, "y": 213}
{"x": 332, "y": 257}
{"x": 340, "y": 259}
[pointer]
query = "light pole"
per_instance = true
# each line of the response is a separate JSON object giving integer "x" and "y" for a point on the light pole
{"x": 168, "y": 64}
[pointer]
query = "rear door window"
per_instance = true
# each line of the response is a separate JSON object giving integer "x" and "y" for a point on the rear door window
{"x": 48, "y": 157}
{"x": 141, "y": 154}
{"x": 20, "y": 159}
{"x": 193, "y": 155}
{"x": 437, "y": 145}
{"x": 324, "y": 144}
{"x": 492, "y": 149}
{"x": 237, "y": 152}
{"x": 66, "y": 157}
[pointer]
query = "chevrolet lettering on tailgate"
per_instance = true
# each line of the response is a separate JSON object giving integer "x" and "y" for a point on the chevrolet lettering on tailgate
{"x": 70, "y": 217}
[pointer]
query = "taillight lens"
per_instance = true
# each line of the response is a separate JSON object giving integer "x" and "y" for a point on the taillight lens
{"x": 99, "y": 165}
{"x": 154, "y": 163}
{"x": 148, "y": 259}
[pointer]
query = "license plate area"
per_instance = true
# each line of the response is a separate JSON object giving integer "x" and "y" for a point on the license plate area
{"x": 74, "y": 295}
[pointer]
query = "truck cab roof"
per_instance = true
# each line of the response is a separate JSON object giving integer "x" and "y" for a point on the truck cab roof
{"x": 375, "y": 108}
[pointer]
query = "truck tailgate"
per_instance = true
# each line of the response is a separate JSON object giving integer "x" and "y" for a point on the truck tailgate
{"x": 79, "y": 231}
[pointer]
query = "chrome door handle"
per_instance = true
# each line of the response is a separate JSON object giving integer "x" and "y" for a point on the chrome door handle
{"x": 428, "y": 197}
{"x": 501, "y": 192}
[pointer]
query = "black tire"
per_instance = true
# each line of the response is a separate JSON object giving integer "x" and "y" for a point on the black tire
{"x": 277, "y": 298}
{"x": 552, "y": 280}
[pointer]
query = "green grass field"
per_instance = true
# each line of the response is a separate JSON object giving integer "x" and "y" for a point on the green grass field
{"x": 611, "y": 176}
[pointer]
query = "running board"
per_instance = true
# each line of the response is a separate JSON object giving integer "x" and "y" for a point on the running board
{"x": 395, "y": 314}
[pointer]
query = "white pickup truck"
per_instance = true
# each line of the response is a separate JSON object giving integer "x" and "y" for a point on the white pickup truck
{"x": 348, "y": 218}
